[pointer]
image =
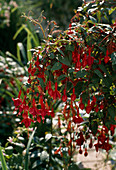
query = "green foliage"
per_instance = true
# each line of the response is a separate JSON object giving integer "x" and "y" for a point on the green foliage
{"x": 4, "y": 167}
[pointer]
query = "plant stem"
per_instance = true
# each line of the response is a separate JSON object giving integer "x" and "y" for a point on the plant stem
{"x": 50, "y": 148}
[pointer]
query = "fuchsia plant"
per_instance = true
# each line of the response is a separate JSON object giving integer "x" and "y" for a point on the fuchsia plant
{"x": 78, "y": 70}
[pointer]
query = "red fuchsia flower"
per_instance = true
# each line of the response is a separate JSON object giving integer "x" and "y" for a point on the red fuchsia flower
{"x": 88, "y": 109}
{"x": 37, "y": 63}
{"x": 84, "y": 62}
{"x": 41, "y": 75}
{"x": 99, "y": 61}
{"x": 64, "y": 97}
{"x": 73, "y": 96}
{"x": 106, "y": 58}
{"x": 85, "y": 153}
{"x": 91, "y": 143}
{"x": 94, "y": 99}
{"x": 74, "y": 55}
{"x": 34, "y": 111}
{"x": 70, "y": 32}
{"x": 27, "y": 121}
{"x": 80, "y": 140}
{"x": 80, "y": 150}
{"x": 25, "y": 115}
{"x": 50, "y": 90}
{"x": 43, "y": 111}
{"x": 64, "y": 67}
{"x": 90, "y": 59}
{"x": 97, "y": 146}
{"x": 96, "y": 109}
{"x": 106, "y": 145}
{"x": 30, "y": 67}
{"x": 33, "y": 71}
{"x": 78, "y": 119}
{"x": 81, "y": 106}
{"x": 17, "y": 102}
{"x": 78, "y": 65}
{"x": 112, "y": 128}
{"x": 56, "y": 93}
{"x": 101, "y": 106}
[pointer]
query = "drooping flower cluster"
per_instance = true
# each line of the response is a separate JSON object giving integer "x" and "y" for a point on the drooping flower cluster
{"x": 73, "y": 70}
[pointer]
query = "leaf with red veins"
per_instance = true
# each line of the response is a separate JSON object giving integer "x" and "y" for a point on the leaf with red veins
{"x": 27, "y": 121}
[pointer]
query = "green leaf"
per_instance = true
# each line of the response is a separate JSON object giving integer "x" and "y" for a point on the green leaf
{"x": 18, "y": 31}
{"x": 107, "y": 81}
{"x": 64, "y": 60}
{"x": 78, "y": 88}
{"x": 52, "y": 56}
{"x": 4, "y": 167}
{"x": 111, "y": 112}
{"x": 61, "y": 77}
{"x": 27, "y": 150}
{"x": 56, "y": 66}
{"x": 99, "y": 15}
{"x": 81, "y": 73}
{"x": 18, "y": 52}
{"x": 69, "y": 48}
{"x": 60, "y": 51}
{"x": 92, "y": 19}
{"x": 98, "y": 73}
{"x": 112, "y": 10}
{"x": 103, "y": 68}
{"x": 41, "y": 82}
{"x": 29, "y": 46}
